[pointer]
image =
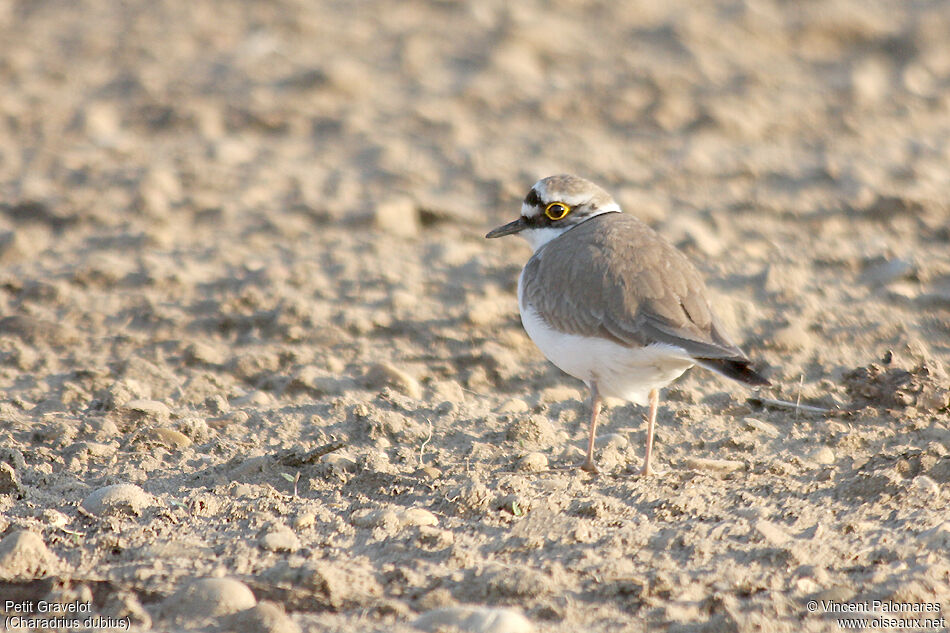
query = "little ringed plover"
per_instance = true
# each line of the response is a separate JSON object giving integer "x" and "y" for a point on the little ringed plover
{"x": 612, "y": 303}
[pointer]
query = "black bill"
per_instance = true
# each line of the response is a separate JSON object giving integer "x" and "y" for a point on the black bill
{"x": 508, "y": 229}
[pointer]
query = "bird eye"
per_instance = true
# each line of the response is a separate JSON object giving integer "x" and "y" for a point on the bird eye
{"x": 556, "y": 211}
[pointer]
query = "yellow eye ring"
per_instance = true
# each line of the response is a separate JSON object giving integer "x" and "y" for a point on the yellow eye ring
{"x": 556, "y": 211}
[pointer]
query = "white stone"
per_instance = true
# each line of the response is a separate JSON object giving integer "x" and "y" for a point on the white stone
{"x": 118, "y": 499}
{"x": 418, "y": 517}
{"x": 474, "y": 620}
{"x": 822, "y": 455}
{"x": 280, "y": 538}
{"x": 210, "y": 597}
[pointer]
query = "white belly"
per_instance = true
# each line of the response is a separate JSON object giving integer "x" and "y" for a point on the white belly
{"x": 622, "y": 372}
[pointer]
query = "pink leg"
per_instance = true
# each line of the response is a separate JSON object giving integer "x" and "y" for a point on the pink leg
{"x": 651, "y": 422}
{"x": 588, "y": 464}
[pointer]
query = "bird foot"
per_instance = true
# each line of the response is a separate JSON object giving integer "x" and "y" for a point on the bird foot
{"x": 650, "y": 471}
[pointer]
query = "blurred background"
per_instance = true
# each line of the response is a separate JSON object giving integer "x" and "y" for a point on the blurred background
{"x": 180, "y": 112}
{"x": 234, "y": 230}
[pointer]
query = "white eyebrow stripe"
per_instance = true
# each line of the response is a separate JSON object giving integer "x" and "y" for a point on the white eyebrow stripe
{"x": 575, "y": 200}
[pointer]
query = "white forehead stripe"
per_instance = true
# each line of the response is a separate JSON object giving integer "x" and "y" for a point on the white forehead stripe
{"x": 570, "y": 199}
{"x": 572, "y": 191}
{"x": 608, "y": 208}
{"x": 542, "y": 188}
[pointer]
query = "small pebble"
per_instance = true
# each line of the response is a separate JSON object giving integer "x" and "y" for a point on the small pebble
{"x": 321, "y": 383}
{"x": 203, "y": 353}
{"x": 447, "y": 390}
{"x": 280, "y": 538}
{"x": 429, "y": 472}
{"x": 533, "y": 463}
{"x": 722, "y": 466}
{"x": 822, "y": 455}
{"x": 435, "y": 539}
{"x": 933, "y": 399}
{"x": 806, "y": 586}
{"x": 533, "y": 431}
{"x": 249, "y": 467}
{"x": 152, "y": 409}
{"x": 24, "y": 556}
{"x": 9, "y": 479}
{"x": 514, "y": 405}
{"x": 339, "y": 462}
{"x": 55, "y": 518}
{"x": 171, "y": 438}
{"x": 239, "y": 490}
{"x": 210, "y": 597}
{"x": 904, "y": 291}
{"x": 385, "y": 375}
{"x": 348, "y": 75}
{"x": 393, "y": 519}
{"x": 446, "y": 407}
{"x": 256, "y": 398}
{"x": 118, "y": 499}
{"x": 417, "y": 517}
{"x": 374, "y": 518}
{"x": 237, "y": 417}
{"x": 232, "y": 151}
{"x": 474, "y": 620}
{"x": 305, "y": 520}
{"x": 217, "y": 404}
{"x": 195, "y": 428}
{"x": 762, "y": 427}
{"x": 871, "y": 79}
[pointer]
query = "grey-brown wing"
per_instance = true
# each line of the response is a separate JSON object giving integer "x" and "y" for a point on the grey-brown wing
{"x": 616, "y": 278}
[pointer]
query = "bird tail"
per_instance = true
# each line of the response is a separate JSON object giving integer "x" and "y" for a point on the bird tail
{"x": 739, "y": 369}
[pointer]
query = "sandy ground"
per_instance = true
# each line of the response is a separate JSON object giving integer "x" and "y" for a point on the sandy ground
{"x": 260, "y": 371}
